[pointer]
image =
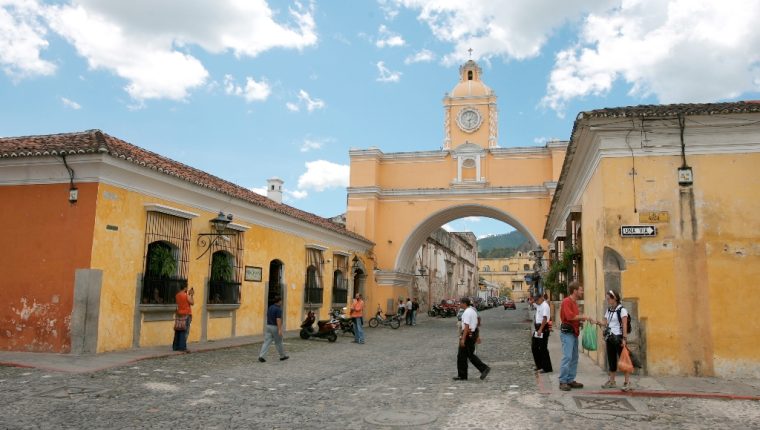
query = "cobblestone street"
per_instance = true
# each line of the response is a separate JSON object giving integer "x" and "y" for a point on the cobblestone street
{"x": 399, "y": 377}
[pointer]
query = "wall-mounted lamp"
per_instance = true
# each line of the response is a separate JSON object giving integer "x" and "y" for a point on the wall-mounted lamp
{"x": 219, "y": 225}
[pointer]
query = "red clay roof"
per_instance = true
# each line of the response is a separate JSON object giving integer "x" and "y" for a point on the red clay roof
{"x": 674, "y": 110}
{"x": 95, "y": 141}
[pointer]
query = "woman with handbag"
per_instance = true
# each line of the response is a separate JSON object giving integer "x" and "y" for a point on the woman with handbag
{"x": 184, "y": 315}
{"x": 615, "y": 338}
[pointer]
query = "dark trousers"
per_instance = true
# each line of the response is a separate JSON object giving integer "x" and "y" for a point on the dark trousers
{"x": 180, "y": 337}
{"x": 467, "y": 352}
{"x": 408, "y": 317}
{"x": 539, "y": 347}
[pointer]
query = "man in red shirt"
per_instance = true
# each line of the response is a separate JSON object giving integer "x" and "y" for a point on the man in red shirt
{"x": 569, "y": 331}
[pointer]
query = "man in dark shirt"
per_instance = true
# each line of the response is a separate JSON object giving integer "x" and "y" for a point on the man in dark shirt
{"x": 273, "y": 331}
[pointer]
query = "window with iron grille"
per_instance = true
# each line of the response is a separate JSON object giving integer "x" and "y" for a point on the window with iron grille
{"x": 167, "y": 246}
{"x": 226, "y": 269}
{"x": 313, "y": 289}
{"x": 340, "y": 282}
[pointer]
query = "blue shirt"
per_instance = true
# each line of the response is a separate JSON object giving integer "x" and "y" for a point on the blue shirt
{"x": 274, "y": 312}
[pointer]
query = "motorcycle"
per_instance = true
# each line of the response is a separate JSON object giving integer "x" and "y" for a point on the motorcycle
{"x": 325, "y": 328}
{"x": 346, "y": 322}
{"x": 392, "y": 320}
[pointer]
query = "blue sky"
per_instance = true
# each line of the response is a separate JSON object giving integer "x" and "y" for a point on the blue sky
{"x": 255, "y": 89}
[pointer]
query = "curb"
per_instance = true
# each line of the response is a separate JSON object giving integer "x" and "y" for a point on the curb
{"x": 686, "y": 394}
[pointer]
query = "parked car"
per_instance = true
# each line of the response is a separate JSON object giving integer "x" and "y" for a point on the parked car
{"x": 509, "y": 304}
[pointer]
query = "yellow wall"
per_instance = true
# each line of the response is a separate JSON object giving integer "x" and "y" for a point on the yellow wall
{"x": 120, "y": 254}
{"x": 689, "y": 286}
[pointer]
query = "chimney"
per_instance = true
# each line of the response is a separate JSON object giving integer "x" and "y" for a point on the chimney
{"x": 274, "y": 189}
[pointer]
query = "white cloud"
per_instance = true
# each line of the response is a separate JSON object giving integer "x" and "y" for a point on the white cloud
{"x": 447, "y": 227}
{"x": 309, "y": 144}
{"x": 70, "y": 103}
{"x": 512, "y": 29}
{"x": 304, "y": 99}
{"x": 388, "y": 39}
{"x": 148, "y": 43}
{"x": 22, "y": 38}
{"x": 259, "y": 190}
{"x": 387, "y": 75}
{"x": 539, "y": 140}
{"x": 678, "y": 51}
{"x": 321, "y": 175}
{"x": 297, "y": 194}
{"x": 424, "y": 56}
{"x": 253, "y": 91}
{"x": 471, "y": 219}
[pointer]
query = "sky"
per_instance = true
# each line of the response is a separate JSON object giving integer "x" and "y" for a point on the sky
{"x": 248, "y": 90}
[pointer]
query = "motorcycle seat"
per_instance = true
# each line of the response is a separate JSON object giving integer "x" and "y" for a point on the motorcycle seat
{"x": 323, "y": 322}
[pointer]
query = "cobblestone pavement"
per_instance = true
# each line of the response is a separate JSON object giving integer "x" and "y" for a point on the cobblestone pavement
{"x": 398, "y": 378}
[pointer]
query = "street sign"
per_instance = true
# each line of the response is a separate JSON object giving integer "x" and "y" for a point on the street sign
{"x": 638, "y": 231}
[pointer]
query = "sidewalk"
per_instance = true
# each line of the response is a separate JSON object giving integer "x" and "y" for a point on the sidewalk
{"x": 593, "y": 376}
{"x": 85, "y": 363}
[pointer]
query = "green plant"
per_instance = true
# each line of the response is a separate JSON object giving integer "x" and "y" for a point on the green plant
{"x": 161, "y": 261}
{"x": 221, "y": 267}
{"x": 563, "y": 265}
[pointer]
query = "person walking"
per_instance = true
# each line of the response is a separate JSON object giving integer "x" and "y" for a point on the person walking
{"x": 467, "y": 340}
{"x": 184, "y": 300}
{"x": 540, "y": 338}
{"x": 273, "y": 331}
{"x": 408, "y": 307}
{"x": 401, "y": 308}
{"x": 357, "y": 314}
{"x": 415, "y": 308}
{"x": 615, "y": 337}
{"x": 569, "y": 331}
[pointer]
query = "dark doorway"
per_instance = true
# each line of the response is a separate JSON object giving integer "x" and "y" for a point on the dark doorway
{"x": 359, "y": 283}
{"x": 274, "y": 286}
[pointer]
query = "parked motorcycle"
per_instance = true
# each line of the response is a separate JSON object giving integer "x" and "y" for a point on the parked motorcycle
{"x": 346, "y": 322}
{"x": 325, "y": 328}
{"x": 393, "y": 320}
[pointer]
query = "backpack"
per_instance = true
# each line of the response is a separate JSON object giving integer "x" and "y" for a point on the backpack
{"x": 620, "y": 319}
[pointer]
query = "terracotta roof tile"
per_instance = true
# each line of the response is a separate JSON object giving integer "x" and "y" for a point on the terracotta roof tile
{"x": 674, "y": 110}
{"x": 95, "y": 141}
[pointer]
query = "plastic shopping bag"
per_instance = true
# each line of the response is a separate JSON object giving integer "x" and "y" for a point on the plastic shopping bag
{"x": 624, "y": 363}
{"x": 589, "y": 337}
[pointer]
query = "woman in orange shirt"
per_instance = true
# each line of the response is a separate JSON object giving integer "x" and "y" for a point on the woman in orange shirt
{"x": 184, "y": 300}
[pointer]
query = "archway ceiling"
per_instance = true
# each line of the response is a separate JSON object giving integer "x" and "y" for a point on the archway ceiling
{"x": 405, "y": 258}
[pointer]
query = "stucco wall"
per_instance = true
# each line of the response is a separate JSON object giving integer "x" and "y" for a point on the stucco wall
{"x": 46, "y": 239}
{"x": 697, "y": 273}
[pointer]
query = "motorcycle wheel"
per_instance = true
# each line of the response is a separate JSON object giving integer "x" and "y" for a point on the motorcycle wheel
{"x": 431, "y": 313}
{"x": 395, "y": 323}
{"x": 373, "y": 322}
{"x": 304, "y": 334}
{"x": 332, "y": 337}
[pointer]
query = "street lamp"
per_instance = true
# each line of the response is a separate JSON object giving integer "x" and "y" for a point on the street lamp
{"x": 219, "y": 224}
{"x": 423, "y": 273}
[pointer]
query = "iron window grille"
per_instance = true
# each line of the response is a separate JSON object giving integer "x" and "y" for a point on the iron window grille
{"x": 167, "y": 237}
{"x": 226, "y": 269}
{"x": 313, "y": 291}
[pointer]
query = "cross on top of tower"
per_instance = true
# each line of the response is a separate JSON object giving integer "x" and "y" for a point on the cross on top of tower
{"x": 470, "y": 51}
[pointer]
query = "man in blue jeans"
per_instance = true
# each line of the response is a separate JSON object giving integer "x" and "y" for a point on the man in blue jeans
{"x": 569, "y": 331}
{"x": 273, "y": 331}
{"x": 357, "y": 314}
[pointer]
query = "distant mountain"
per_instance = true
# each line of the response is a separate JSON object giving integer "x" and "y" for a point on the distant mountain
{"x": 502, "y": 245}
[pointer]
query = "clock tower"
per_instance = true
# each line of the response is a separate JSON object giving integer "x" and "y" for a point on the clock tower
{"x": 470, "y": 115}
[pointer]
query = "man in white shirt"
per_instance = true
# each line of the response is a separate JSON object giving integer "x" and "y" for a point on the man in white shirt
{"x": 467, "y": 340}
{"x": 540, "y": 340}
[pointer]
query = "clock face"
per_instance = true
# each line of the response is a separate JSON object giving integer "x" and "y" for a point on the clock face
{"x": 469, "y": 119}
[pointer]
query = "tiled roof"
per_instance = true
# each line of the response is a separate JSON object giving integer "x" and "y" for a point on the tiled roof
{"x": 674, "y": 110}
{"x": 95, "y": 141}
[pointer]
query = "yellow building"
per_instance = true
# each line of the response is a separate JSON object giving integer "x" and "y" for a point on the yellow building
{"x": 398, "y": 199}
{"x": 104, "y": 233}
{"x": 662, "y": 202}
{"x": 509, "y": 273}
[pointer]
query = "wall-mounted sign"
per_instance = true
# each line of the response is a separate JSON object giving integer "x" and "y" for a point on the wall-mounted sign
{"x": 638, "y": 230}
{"x": 654, "y": 216}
